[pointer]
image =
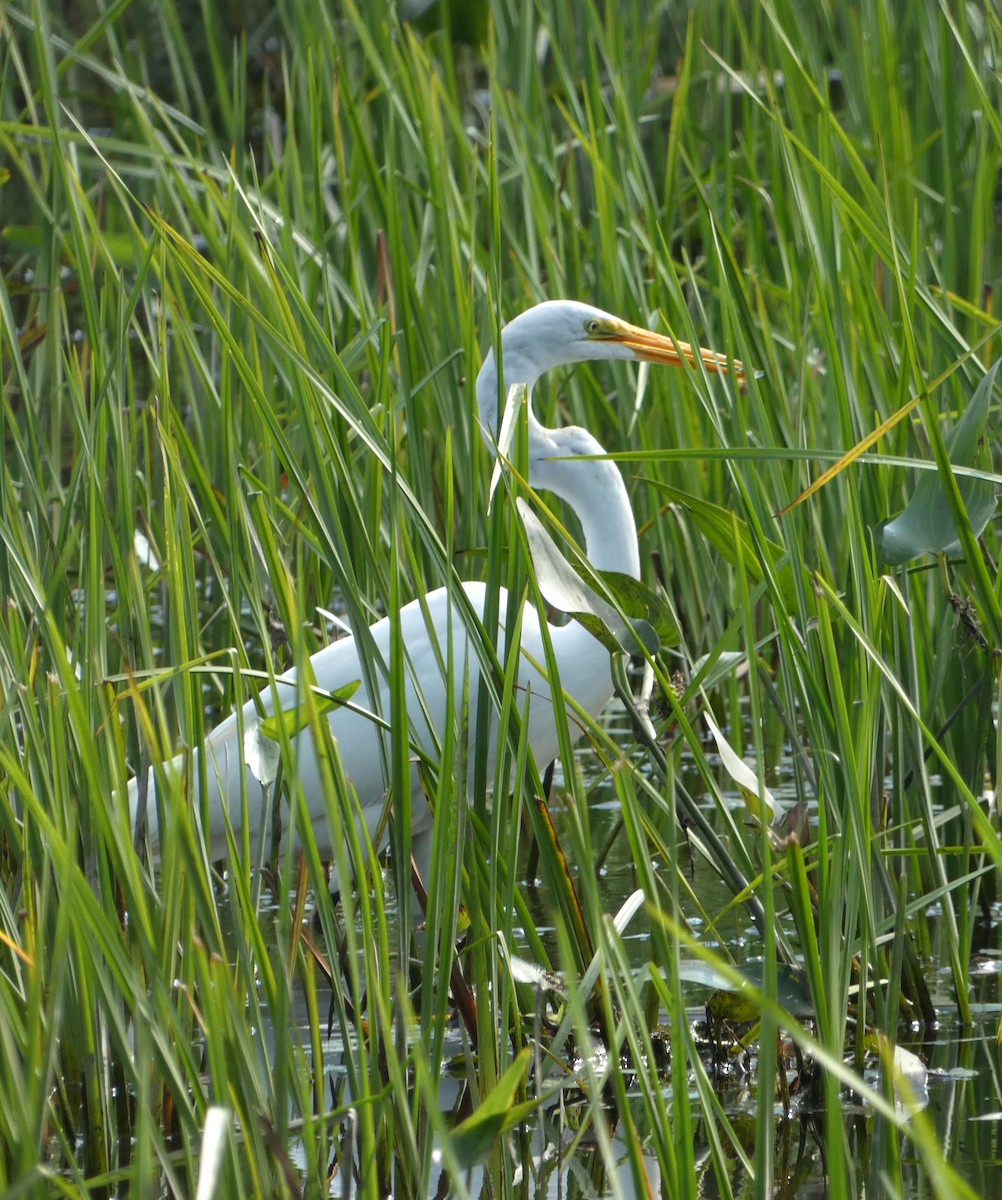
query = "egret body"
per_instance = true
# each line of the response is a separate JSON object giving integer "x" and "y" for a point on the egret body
{"x": 550, "y": 335}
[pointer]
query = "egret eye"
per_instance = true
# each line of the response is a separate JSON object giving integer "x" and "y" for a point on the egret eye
{"x": 593, "y": 327}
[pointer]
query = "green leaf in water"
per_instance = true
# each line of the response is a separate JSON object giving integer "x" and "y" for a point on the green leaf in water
{"x": 731, "y": 1006}
{"x": 927, "y": 526}
{"x": 791, "y": 989}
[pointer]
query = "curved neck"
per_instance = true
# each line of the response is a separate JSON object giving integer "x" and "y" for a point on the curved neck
{"x": 594, "y": 489}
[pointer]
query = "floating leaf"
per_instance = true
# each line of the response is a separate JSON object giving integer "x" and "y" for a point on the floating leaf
{"x": 927, "y": 526}
{"x": 731, "y": 1006}
{"x": 703, "y": 974}
{"x": 791, "y": 987}
{"x": 566, "y": 591}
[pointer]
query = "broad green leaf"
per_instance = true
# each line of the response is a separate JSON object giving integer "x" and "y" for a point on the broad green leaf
{"x": 641, "y": 602}
{"x": 743, "y": 776}
{"x": 718, "y": 526}
{"x": 726, "y": 664}
{"x": 791, "y": 991}
{"x": 927, "y": 526}
{"x": 293, "y": 720}
{"x": 473, "y": 1138}
{"x": 566, "y": 591}
{"x": 733, "y": 1007}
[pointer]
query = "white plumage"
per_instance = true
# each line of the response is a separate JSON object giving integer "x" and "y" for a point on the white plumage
{"x": 546, "y": 336}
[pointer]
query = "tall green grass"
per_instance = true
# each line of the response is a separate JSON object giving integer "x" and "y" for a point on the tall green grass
{"x": 249, "y": 270}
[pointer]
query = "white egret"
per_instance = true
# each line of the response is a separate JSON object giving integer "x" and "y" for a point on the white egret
{"x": 547, "y": 336}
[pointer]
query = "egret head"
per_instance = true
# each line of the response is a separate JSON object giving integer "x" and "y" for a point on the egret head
{"x": 557, "y": 332}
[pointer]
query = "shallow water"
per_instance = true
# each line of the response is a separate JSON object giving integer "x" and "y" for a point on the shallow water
{"x": 964, "y": 1086}
{"x": 964, "y": 1108}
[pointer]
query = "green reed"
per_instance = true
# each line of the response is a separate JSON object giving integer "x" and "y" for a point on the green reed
{"x": 249, "y": 270}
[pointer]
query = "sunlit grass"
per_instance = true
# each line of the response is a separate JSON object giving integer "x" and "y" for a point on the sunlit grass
{"x": 248, "y": 275}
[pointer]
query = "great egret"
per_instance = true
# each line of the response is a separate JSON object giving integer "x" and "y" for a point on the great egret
{"x": 546, "y": 336}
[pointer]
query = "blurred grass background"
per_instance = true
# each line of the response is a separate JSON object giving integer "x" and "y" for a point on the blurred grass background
{"x": 250, "y": 261}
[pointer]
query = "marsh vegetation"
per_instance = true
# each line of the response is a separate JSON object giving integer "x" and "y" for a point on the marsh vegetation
{"x": 250, "y": 260}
